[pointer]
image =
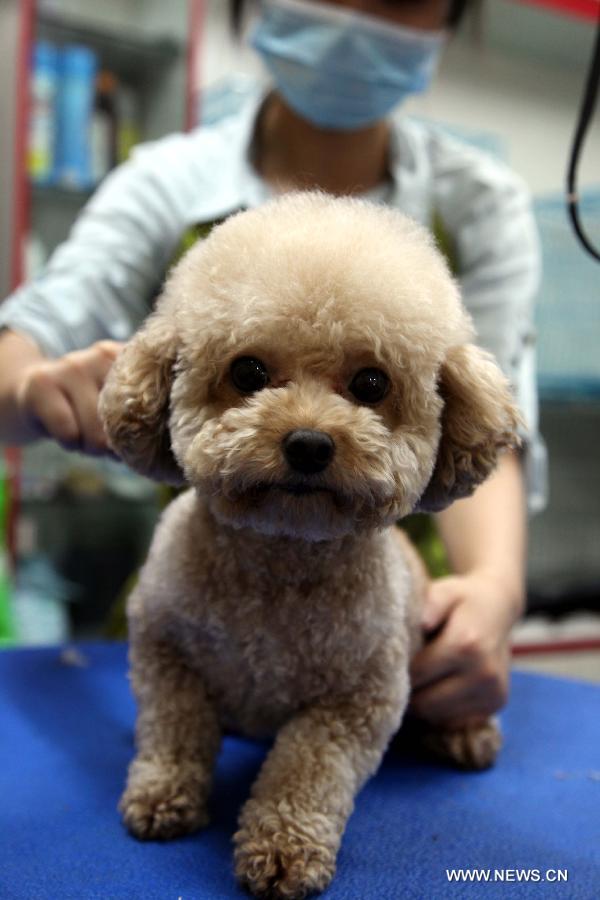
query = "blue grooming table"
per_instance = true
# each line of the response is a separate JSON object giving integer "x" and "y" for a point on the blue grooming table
{"x": 66, "y": 736}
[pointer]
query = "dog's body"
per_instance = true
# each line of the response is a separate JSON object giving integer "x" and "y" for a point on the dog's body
{"x": 309, "y": 373}
{"x": 359, "y": 614}
{"x": 227, "y": 655}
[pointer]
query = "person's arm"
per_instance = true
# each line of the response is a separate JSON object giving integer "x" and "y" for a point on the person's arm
{"x": 462, "y": 672}
{"x": 99, "y": 283}
{"x": 486, "y": 533}
{"x": 60, "y": 333}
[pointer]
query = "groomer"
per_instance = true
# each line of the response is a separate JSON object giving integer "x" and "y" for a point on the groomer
{"x": 332, "y": 120}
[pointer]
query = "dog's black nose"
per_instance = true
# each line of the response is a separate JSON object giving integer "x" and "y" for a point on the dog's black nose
{"x": 308, "y": 451}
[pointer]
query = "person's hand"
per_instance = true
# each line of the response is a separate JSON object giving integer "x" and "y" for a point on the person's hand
{"x": 461, "y": 674}
{"x": 58, "y": 398}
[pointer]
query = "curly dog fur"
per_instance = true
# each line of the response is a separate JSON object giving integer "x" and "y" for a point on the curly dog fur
{"x": 275, "y": 599}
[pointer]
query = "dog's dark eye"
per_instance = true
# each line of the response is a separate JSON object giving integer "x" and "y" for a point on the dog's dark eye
{"x": 249, "y": 374}
{"x": 370, "y": 385}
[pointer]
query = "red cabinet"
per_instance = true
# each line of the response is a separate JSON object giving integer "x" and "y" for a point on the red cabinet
{"x": 154, "y": 54}
{"x": 583, "y": 9}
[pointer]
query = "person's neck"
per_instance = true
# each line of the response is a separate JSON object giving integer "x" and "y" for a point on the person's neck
{"x": 291, "y": 153}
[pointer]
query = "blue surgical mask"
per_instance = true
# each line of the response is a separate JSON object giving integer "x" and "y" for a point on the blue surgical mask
{"x": 341, "y": 69}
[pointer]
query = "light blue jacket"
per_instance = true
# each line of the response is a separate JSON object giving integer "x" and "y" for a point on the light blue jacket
{"x": 103, "y": 280}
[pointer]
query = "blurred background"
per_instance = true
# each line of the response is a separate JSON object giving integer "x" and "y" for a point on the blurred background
{"x": 82, "y": 82}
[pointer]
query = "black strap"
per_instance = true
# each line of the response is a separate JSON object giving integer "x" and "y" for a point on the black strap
{"x": 586, "y": 112}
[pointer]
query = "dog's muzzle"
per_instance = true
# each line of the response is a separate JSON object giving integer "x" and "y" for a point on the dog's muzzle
{"x": 308, "y": 452}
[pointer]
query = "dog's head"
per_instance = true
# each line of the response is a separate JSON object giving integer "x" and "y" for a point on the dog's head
{"x": 309, "y": 368}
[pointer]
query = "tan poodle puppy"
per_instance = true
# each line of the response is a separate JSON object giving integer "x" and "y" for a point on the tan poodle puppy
{"x": 309, "y": 371}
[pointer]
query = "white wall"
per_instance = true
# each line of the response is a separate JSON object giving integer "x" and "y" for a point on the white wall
{"x": 513, "y": 80}
{"x": 518, "y": 72}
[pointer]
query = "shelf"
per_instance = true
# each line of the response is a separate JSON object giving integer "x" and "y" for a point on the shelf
{"x": 53, "y": 193}
{"x": 128, "y": 54}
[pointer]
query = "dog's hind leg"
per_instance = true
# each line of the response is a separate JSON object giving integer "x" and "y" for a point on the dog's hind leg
{"x": 177, "y": 737}
{"x": 474, "y": 746}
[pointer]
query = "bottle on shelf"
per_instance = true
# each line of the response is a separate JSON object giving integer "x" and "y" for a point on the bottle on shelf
{"x": 75, "y": 105}
{"x": 42, "y": 123}
{"x": 103, "y": 142}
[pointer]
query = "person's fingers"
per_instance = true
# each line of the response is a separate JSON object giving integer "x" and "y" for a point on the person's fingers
{"x": 110, "y": 347}
{"x": 457, "y": 648}
{"x": 93, "y": 363}
{"x": 436, "y": 660}
{"x": 59, "y": 398}
{"x": 83, "y": 393}
{"x": 434, "y": 703}
{"x": 81, "y": 375}
{"x": 63, "y": 398}
{"x": 459, "y": 699}
{"x": 44, "y": 404}
{"x": 100, "y": 358}
{"x": 441, "y": 598}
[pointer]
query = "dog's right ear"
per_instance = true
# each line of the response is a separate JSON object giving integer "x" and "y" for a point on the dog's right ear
{"x": 134, "y": 403}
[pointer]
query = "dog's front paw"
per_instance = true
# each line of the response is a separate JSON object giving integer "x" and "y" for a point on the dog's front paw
{"x": 473, "y": 747}
{"x": 282, "y": 859}
{"x": 163, "y": 801}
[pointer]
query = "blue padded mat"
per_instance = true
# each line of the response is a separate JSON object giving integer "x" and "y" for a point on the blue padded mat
{"x": 66, "y": 736}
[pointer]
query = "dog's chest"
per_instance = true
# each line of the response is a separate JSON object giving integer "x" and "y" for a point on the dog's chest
{"x": 263, "y": 658}
{"x": 273, "y": 626}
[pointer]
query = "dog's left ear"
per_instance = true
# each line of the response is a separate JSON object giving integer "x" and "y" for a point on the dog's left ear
{"x": 479, "y": 420}
{"x": 134, "y": 403}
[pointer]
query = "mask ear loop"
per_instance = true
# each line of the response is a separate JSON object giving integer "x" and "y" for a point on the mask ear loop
{"x": 585, "y": 116}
